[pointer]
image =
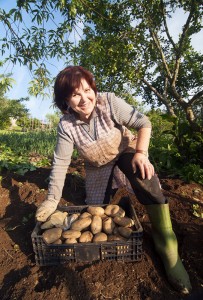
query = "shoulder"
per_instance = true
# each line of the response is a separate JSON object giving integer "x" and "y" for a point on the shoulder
{"x": 64, "y": 119}
{"x": 106, "y": 95}
{"x": 105, "y": 98}
{"x": 66, "y": 122}
{"x": 67, "y": 117}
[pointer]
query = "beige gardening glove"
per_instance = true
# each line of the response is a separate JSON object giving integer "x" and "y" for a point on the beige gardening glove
{"x": 46, "y": 209}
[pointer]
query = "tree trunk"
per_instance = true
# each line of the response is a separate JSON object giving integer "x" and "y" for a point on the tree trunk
{"x": 191, "y": 118}
{"x": 187, "y": 109}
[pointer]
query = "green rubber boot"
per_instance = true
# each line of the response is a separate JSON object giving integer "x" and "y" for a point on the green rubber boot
{"x": 167, "y": 247}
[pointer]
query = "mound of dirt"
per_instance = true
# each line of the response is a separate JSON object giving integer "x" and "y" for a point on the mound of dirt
{"x": 21, "y": 278}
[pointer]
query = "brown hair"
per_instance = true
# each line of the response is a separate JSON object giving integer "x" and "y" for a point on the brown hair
{"x": 67, "y": 81}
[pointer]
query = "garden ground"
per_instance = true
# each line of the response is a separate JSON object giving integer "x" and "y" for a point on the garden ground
{"x": 21, "y": 278}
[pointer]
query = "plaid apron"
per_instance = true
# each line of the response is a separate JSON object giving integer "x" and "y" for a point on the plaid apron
{"x": 100, "y": 154}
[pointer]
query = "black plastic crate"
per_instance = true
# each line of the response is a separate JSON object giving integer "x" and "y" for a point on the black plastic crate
{"x": 52, "y": 254}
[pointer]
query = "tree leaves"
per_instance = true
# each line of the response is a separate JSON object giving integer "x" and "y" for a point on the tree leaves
{"x": 126, "y": 44}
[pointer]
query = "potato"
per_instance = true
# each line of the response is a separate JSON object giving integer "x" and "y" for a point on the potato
{"x": 52, "y": 235}
{"x": 125, "y": 231}
{"x": 100, "y": 237}
{"x": 108, "y": 225}
{"x": 85, "y": 215}
{"x": 81, "y": 224}
{"x": 124, "y": 221}
{"x": 86, "y": 237}
{"x": 96, "y": 225}
{"x": 115, "y": 231}
{"x": 47, "y": 225}
{"x": 70, "y": 241}
{"x": 103, "y": 216}
{"x": 115, "y": 237}
{"x": 74, "y": 234}
{"x": 95, "y": 210}
{"x": 58, "y": 242}
{"x": 114, "y": 210}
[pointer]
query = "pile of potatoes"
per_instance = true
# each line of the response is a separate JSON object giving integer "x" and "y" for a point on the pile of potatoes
{"x": 95, "y": 225}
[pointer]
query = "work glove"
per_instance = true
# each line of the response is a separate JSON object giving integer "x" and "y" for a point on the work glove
{"x": 46, "y": 209}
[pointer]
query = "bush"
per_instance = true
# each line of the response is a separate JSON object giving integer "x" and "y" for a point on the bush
{"x": 174, "y": 148}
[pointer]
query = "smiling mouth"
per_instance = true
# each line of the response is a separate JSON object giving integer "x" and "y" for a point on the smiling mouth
{"x": 84, "y": 105}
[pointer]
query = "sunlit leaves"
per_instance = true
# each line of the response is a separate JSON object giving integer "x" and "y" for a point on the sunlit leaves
{"x": 41, "y": 82}
{"x": 126, "y": 44}
{"x": 6, "y": 83}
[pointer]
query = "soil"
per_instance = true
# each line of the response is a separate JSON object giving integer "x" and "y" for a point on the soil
{"x": 21, "y": 278}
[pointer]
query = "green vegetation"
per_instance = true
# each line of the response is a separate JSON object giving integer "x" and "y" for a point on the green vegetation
{"x": 130, "y": 48}
{"x": 33, "y": 142}
{"x": 10, "y": 109}
{"x": 10, "y": 161}
{"x": 25, "y": 151}
{"x": 174, "y": 150}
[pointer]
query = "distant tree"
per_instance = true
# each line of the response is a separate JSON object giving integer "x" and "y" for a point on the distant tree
{"x": 9, "y": 108}
{"x": 24, "y": 122}
{"x": 53, "y": 119}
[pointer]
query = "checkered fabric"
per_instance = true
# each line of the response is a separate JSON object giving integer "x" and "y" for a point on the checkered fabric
{"x": 100, "y": 154}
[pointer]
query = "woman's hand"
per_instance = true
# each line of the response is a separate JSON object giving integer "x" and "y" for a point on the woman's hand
{"x": 142, "y": 162}
{"x": 46, "y": 209}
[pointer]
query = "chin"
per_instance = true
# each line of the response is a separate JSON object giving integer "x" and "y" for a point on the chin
{"x": 87, "y": 112}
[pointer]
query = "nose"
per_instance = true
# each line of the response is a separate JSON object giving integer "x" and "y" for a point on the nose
{"x": 83, "y": 97}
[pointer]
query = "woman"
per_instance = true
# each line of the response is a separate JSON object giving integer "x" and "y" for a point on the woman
{"x": 97, "y": 125}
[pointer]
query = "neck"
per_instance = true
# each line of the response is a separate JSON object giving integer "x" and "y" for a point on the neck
{"x": 85, "y": 119}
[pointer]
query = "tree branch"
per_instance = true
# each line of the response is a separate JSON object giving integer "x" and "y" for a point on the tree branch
{"x": 163, "y": 99}
{"x": 178, "y": 51}
{"x": 176, "y": 71}
{"x": 166, "y": 26}
{"x": 195, "y": 97}
{"x": 7, "y": 23}
{"x": 178, "y": 97}
{"x": 186, "y": 107}
{"x": 185, "y": 28}
{"x": 153, "y": 89}
{"x": 165, "y": 87}
{"x": 156, "y": 41}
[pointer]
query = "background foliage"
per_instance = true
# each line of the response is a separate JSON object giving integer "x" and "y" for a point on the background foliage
{"x": 129, "y": 47}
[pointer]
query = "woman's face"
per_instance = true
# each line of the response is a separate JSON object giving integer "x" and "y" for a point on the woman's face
{"x": 83, "y": 100}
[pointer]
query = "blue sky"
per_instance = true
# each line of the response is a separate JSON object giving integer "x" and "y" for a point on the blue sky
{"x": 38, "y": 107}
